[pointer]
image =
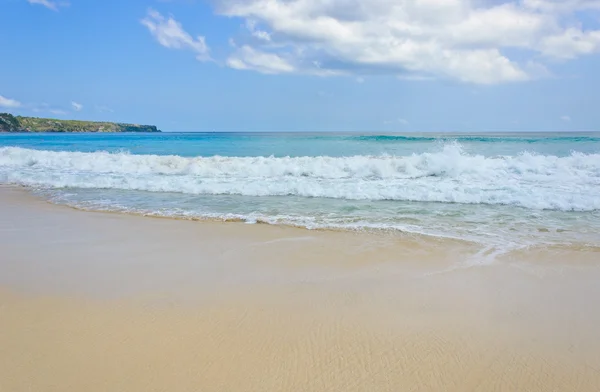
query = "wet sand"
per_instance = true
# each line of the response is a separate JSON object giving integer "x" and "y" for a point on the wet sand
{"x": 109, "y": 302}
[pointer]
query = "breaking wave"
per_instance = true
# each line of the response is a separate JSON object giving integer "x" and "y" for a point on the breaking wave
{"x": 528, "y": 180}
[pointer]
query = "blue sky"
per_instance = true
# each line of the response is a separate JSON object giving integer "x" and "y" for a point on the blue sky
{"x": 306, "y": 65}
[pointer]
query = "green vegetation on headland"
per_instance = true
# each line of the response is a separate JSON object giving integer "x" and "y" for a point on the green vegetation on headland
{"x": 10, "y": 123}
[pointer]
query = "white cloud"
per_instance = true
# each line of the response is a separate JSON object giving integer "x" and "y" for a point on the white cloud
{"x": 571, "y": 43}
{"x": 472, "y": 41}
{"x": 247, "y": 58}
{"x": 9, "y": 103}
{"x": 565, "y": 118}
{"x": 53, "y": 5}
{"x": 47, "y": 108}
{"x": 250, "y": 58}
{"x": 170, "y": 34}
{"x": 260, "y": 34}
{"x": 76, "y": 106}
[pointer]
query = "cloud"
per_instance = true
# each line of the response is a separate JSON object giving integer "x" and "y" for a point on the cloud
{"x": 170, "y": 34}
{"x": 565, "y": 118}
{"x": 9, "y": 103}
{"x": 249, "y": 58}
{"x": 76, "y": 106}
{"x": 474, "y": 41}
{"x": 259, "y": 34}
{"x": 53, "y": 5}
{"x": 47, "y": 108}
{"x": 571, "y": 43}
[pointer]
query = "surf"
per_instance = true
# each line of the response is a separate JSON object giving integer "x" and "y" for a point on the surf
{"x": 450, "y": 175}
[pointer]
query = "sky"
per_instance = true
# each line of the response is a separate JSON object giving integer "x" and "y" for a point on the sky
{"x": 305, "y": 65}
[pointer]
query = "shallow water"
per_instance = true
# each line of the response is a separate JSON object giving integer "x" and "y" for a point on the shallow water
{"x": 506, "y": 191}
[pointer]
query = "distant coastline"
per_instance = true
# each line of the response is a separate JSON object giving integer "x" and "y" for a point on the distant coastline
{"x": 20, "y": 124}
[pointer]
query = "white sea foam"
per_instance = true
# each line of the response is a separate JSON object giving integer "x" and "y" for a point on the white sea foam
{"x": 450, "y": 175}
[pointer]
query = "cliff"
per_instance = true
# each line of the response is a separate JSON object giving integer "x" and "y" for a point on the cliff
{"x": 10, "y": 123}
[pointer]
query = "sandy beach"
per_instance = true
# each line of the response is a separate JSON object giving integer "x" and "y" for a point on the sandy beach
{"x": 110, "y": 302}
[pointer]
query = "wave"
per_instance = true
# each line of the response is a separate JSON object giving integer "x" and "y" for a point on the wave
{"x": 570, "y": 183}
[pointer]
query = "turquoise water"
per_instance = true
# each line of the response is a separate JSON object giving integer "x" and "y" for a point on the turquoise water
{"x": 305, "y": 144}
{"x": 505, "y": 191}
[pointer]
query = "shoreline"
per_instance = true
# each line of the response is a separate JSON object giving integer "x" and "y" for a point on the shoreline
{"x": 364, "y": 193}
{"x": 481, "y": 252}
{"x": 207, "y": 219}
{"x": 393, "y": 232}
{"x": 98, "y": 301}
{"x": 261, "y": 241}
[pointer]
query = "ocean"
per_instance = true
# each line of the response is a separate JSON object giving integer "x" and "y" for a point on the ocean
{"x": 503, "y": 191}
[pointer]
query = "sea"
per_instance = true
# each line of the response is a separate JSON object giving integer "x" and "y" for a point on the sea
{"x": 503, "y": 191}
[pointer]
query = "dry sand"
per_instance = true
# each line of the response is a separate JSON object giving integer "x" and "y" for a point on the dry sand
{"x": 109, "y": 302}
